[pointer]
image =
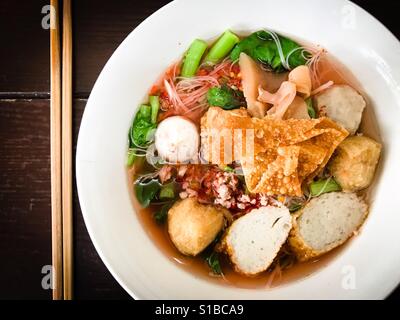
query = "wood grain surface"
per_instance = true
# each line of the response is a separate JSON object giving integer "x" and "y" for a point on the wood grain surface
{"x": 25, "y": 218}
{"x": 25, "y": 226}
{"x": 24, "y": 61}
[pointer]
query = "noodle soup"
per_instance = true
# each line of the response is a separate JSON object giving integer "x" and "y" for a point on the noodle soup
{"x": 288, "y": 211}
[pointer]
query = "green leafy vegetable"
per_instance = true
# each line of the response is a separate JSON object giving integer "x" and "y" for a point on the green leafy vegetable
{"x": 264, "y": 47}
{"x": 144, "y": 112}
{"x": 146, "y": 191}
{"x": 213, "y": 262}
{"x": 286, "y": 260}
{"x": 323, "y": 186}
{"x": 295, "y": 207}
{"x": 310, "y": 109}
{"x": 212, "y": 257}
{"x": 167, "y": 191}
{"x": 130, "y": 158}
{"x": 229, "y": 169}
{"x": 222, "y": 47}
{"x": 142, "y": 128}
{"x": 161, "y": 215}
{"x": 155, "y": 106}
{"x": 225, "y": 97}
{"x": 193, "y": 57}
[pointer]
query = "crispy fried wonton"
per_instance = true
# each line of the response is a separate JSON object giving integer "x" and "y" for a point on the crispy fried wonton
{"x": 276, "y": 155}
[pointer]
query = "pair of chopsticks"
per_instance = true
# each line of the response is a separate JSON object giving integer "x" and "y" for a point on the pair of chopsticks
{"x": 61, "y": 151}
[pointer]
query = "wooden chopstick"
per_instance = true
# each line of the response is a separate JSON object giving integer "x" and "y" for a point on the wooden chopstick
{"x": 67, "y": 151}
{"x": 55, "y": 151}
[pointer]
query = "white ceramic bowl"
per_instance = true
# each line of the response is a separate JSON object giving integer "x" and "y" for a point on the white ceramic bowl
{"x": 369, "y": 50}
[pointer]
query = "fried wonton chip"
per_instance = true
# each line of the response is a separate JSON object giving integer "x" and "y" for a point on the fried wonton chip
{"x": 274, "y": 171}
{"x": 276, "y": 155}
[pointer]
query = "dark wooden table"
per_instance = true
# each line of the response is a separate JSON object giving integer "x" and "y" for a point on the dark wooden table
{"x": 25, "y": 231}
